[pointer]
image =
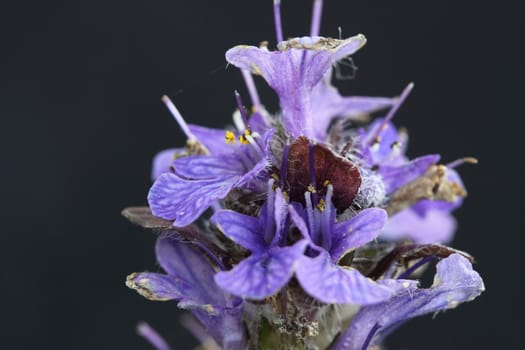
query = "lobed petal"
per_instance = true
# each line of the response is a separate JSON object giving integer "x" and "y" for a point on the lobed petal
{"x": 174, "y": 198}
{"x": 433, "y": 226}
{"x": 332, "y": 284}
{"x": 260, "y": 276}
{"x": 293, "y": 71}
{"x": 164, "y": 160}
{"x": 397, "y": 176}
{"x": 212, "y": 139}
{"x": 242, "y": 229}
{"x": 327, "y": 104}
{"x": 158, "y": 287}
{"x": 357, "y": 231}
{"x": 227, "y": 328}
{"x": 455, "y": 282}
{"x": 209, "y": 167}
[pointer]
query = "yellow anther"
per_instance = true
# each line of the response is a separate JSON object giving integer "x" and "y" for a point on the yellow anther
{"x": 286, "y": 196}
{"x": 247, "y": 132}
{"x": 326, "y": 183}
{"x": 275, "y": 176}
{"x": 395, "y": 145}
{"x": 311, "y": 188}
{"x": 321, "y": 205}
{"x": 229, "y": 137}
{"x": 243, "y": 140}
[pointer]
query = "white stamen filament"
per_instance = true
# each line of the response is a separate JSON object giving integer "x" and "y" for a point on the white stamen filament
{"x": 237, "y": 121}
{"x": 255, "y": 145}
{"x": 178, "y": 117}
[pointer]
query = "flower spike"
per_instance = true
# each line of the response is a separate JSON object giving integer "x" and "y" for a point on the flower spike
{"x": 321, "y": 223}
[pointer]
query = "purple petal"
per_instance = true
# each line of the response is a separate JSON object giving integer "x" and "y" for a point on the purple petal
{"x": 184, "y": 263}
{"x": 357, "y": 231}
{"x": 297, "y": 218}
{"x": 455, "y": 282}
{"x": 435, "y": 226}
{"x": 208, "y": 167}
{"x": 227, "y": 328}
{"x": 242, "y": 229}
{"x": 397, "y": 176}
{"x": 294, "y": 71}
{"x": 156, "y": 286}
{"x": 381, "y": 153}
{"x": 164, "y": 160}
{"x": 259, "y": 276}
{"x": 326, "y": 281}
{"x": 258, "y": 121}
{"x": 327, "y": 103}
{"x": 173, "y": 198}
{"x": 256, "y": 177}
{"x": 212, "y": 139}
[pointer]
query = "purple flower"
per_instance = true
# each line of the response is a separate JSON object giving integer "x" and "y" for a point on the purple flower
{"x": 294, "y": 71}
{"x": 197, "y": 181}
{"x": 290, "y": 256}
{"x": 318, "y": 271}
{"x": 163, "y": 161}
{"x": 455, "y": 282}
{"x": 189, "y": 280}
{"x": 326, "y": 104}
{"x": 270, "y": 265}
{"x": 382, "y": 148}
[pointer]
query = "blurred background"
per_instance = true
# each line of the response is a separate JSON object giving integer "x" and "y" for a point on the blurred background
{"x": 81, "y": 116}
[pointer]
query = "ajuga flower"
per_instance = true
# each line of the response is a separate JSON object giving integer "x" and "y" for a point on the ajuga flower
{"x": 320, "y": 224}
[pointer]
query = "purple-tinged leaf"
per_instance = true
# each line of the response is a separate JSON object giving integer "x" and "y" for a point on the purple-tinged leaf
{"x": 338, "y": 171}
{"x": 143, "y": 217}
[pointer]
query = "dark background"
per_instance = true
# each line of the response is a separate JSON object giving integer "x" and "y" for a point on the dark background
{"x": 81, "y": 116}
